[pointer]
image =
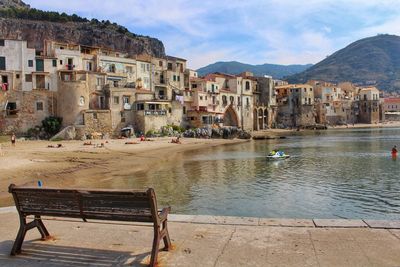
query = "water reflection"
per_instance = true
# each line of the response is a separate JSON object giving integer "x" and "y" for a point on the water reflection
{"x": 331, "y": 174}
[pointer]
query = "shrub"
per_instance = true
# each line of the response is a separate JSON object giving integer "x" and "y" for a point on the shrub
{"x": 51, "y": 125}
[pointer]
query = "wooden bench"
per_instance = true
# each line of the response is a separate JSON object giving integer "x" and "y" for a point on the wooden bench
{"x": 113, "y": 205}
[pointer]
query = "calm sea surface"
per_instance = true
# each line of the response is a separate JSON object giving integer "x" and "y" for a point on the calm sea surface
{"x": 331, "y": 174}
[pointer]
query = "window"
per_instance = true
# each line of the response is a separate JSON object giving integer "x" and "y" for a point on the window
{"x": 201, "y": 97}
{"x": 39, "y": 106}
{"x": 247, "y": 101}
{"x": 116, "y": 100}
{"x": 129, "y": 69}
{"x": 89, "y": 66}
{"x": 30, "y": 63}
{"x": 224, "y": 99}
{"x": 126, "y": 99}
{"x": 174, "y": 78}
{"x": 247, "y": 85}
{"x": 61, "y": 62}
{"x": 140, "y": 106}
{"x": 17, "y": 76}
{"x": 184, "y": 110}
{"x": 115, "y": 84}
{"x": 95, "y": 116}
{"x": 169, "y": 66}
{"x": 305, "y": 90}
{"x": 112, "y": 68}
{"x": 178, "y": 78}
{"x": 148, "y": 67}
{"x": 28, "y": 78}
{"x": 54, "y": 62}
{"x": 160, "y": 63}
{"x": 2, "y": 63}
{"x": 1, "y": 42}
{"x": 143, "y": 67}
{"x": 11, "y": 108}
{"x": 194, "y": 85}
{"x": 146, "y": 82}
{"x": 99, "y": 81}
{"x": 232, "y": 99}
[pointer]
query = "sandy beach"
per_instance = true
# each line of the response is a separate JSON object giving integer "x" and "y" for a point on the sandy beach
{"x": 82, "y": 166}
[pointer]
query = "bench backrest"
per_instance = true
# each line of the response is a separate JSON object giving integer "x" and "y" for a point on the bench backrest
{"x": 120, "y": 205}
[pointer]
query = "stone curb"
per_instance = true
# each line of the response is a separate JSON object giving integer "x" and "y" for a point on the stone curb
{"x": 274, "y": 222}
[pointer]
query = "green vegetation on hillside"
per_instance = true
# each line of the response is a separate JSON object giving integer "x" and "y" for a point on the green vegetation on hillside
{"x": 51, "y": 16}
{"x": 36, "y": 14}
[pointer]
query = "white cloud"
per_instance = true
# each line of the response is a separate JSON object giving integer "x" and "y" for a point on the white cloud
{"x": 257, "y": 31}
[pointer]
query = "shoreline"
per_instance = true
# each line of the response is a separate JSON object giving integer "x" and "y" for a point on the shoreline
{"x": 280, "y": 132}
{"x": 31, "y": 161}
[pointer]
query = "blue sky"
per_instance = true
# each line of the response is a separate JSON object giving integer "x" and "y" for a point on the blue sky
{"x": 252, "y": 31}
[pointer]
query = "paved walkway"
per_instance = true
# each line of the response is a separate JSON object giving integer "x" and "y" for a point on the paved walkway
{"x": 207, "y": 241}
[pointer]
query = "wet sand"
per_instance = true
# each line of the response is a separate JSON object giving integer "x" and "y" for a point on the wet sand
{"x": 76, "y": 165}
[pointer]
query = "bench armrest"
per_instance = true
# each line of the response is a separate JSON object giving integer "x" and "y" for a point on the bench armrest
{"x": 164, "y": 213}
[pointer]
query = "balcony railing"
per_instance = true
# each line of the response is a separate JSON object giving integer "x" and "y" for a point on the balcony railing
{"x": 160, "y": 112}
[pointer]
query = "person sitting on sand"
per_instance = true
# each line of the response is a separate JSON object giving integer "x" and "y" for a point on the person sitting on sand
{"x": 394, "y": 150}
{"x": 176, "y": 141}
{"x": 142, "y": 138}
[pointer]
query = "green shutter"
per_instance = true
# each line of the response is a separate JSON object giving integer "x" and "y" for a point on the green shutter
{"x": 2, "y": 63}
{"x": 39, "y": 65}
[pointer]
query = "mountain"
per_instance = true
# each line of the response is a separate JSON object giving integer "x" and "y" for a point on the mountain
{"x": 373, "y": 60}
{"x": 13, "y": 4}
{"x": 20, "y": 21}
{"x": 234, "y": 67}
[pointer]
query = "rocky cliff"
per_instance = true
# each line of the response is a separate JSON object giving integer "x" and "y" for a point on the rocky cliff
{"x": 13, "y": 3}
{"x": 19, "y": 21}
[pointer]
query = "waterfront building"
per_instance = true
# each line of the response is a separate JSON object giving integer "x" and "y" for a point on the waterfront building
{"x": 97, "y": 90}
{"x": 295, "y": 105}
{"x": 369, "y": 105}
{"x": 391, "y": 109}
{"x": 28, "y": 86}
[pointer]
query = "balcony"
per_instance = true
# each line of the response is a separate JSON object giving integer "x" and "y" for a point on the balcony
{"x": 161, "y": 97}
{"x": 160, "y": 112}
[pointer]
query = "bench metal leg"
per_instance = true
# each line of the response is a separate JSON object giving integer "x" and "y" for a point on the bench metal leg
{"x": 16, "y": 249}
{"x": 42, "y": 229}
{"x": 25, "y": 227}
{"x": 154, "y": 251}
{"x": 167, "y": 240}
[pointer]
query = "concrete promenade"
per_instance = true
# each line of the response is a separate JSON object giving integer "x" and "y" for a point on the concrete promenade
{"x": 207, "y": 241}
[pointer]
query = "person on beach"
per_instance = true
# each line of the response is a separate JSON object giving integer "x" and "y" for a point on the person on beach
{"x": 176, "y": 141}
{"x": 13, "y": 139}
{"x": 394, "y": 150}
